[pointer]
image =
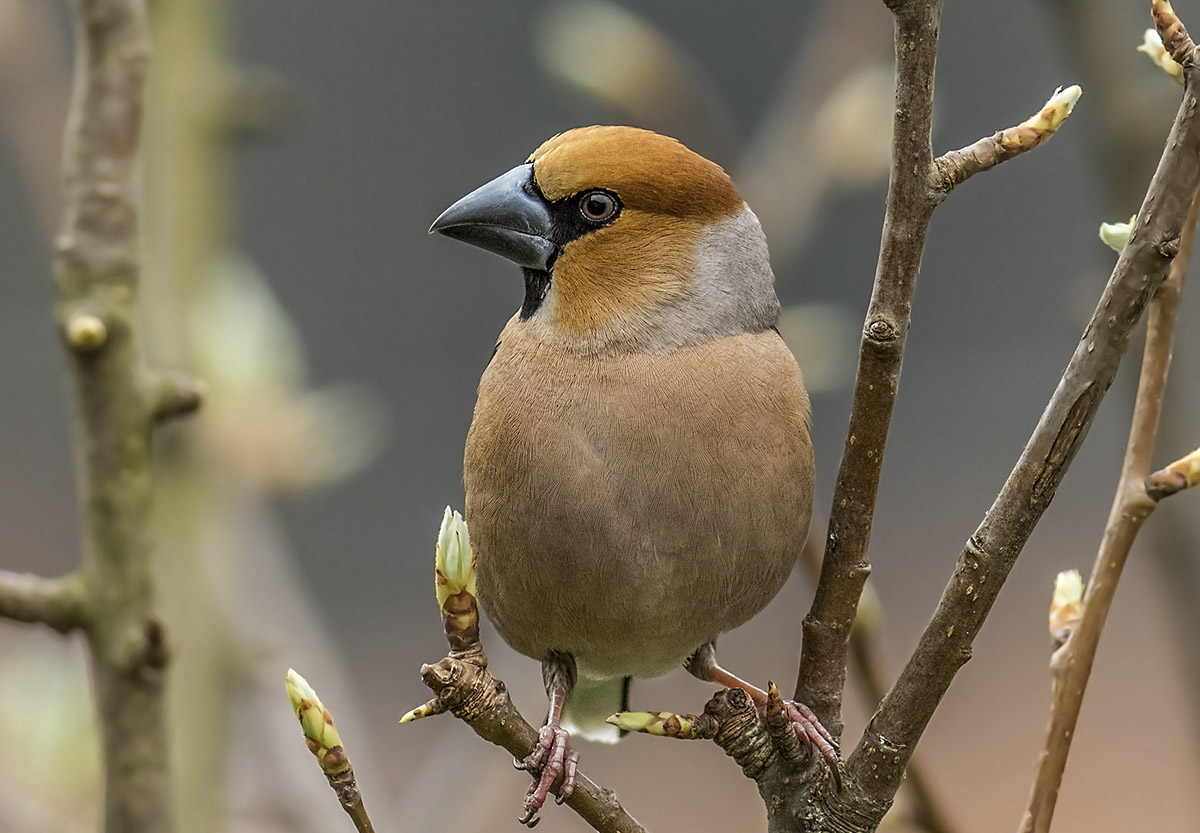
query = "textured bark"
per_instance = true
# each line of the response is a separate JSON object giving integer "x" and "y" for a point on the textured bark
{"x": 992, "y": 550}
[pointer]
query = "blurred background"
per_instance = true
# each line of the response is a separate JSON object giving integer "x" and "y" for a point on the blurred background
{"x": 296, "y": 154}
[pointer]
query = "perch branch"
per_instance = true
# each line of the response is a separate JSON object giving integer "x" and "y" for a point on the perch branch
{"x": 879, "y": 759}
{"x": 56, "y": 603}
{"x": 463, "y": 686}
{"x": 1071, "y": 664}
{"x": 918, "y": 184}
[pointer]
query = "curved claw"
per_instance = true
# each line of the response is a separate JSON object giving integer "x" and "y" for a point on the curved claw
{"x": 550, "y": 759}
{"x": 809, "y": 728}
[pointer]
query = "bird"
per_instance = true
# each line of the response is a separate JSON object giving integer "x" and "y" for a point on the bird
{"x": 639, "y": 471}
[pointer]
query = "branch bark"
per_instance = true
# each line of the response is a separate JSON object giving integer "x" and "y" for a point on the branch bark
{"x": 59, "y": 603}
{"x": 917, "y": 186}
{"x": 1071, "y": 664}
{"x": 97, "y": 269}
{"x": 878, "y": 761}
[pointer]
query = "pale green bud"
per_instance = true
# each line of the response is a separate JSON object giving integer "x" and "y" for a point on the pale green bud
{"x": 454, "y": 559}
{"x": 314, "y": 718}
{"x": 1116, "y": 235}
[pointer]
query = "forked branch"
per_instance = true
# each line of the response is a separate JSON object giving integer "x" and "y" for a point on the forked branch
{"x": 918, "y": 184}
{"x": 878, "y": 760}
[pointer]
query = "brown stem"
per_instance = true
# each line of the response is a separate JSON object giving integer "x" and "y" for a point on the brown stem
{"x": 1071, "y": 664}
{"x": 928, "y": 810}
{"x": 918, "y": 184}
{"x": 466, "y": 688}
{"x": 992, "y": 550}
{"x": 910, "y": 205}
{"x": 346, "y": 787}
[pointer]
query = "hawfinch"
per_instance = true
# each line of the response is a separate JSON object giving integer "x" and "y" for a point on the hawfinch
{"x": 639, "y": 473}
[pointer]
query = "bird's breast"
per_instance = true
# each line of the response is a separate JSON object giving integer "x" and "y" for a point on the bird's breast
{"x": 626, "y": 508}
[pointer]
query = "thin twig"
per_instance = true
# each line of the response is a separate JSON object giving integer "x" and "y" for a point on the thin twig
{"x": 60, "y": 603}
{"x": 1071, "y": 664}
{"x": 918, "y": 184}
{"x": 879, "y": 759}
{"x": 325, "y": 743}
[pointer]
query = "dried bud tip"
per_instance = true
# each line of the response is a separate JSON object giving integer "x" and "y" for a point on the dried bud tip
{"x": 429, "y": 709}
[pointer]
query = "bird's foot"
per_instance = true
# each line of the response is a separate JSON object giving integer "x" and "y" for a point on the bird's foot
{"x": 552, "y": 758}
{"x": 810, "y": 730}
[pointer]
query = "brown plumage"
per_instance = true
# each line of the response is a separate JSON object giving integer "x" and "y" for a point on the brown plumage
{"x": 639, "y": 472}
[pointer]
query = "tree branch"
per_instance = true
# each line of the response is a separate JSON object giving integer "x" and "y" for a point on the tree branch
{"x": 845, "y": 568}
{"x": 97, "y": 269}
{"x": 1071, "y": 664}
{"x": 463, "y": 686}
{"x": 879, "y": 759}
{"x": 918, "y": 184}
{"x": 58, "y": 603}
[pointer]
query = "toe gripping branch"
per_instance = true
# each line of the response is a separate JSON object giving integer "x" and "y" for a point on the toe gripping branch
{"x": 463, "y": 686}
{"x": 762, "y": 738}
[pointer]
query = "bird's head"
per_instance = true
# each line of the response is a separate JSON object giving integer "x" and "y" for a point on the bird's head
{"x": 628, "y": 241}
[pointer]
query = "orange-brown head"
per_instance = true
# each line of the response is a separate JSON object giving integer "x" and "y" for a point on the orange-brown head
{"x": 628, "y": 241}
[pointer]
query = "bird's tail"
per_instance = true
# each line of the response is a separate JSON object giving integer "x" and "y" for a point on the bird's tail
{"x": 590, "y": 703}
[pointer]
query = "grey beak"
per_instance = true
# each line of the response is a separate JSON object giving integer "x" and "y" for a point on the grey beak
{"x": 505, "y": 216}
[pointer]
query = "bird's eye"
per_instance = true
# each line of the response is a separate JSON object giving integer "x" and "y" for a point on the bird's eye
{"x": 598, "y": 206}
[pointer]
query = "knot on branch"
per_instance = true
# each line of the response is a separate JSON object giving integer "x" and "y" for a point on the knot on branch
{"x": 741, "y": 733}
{"x": 881, "y": 330}
{"x": 464, "y": 687}
{"x": 85, "y": 329}
{"x": 1168, "y": 247}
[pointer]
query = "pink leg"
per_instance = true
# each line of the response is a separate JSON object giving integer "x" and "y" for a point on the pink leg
{"x": 552, "y": 757}
{"x": 703, "y": 665}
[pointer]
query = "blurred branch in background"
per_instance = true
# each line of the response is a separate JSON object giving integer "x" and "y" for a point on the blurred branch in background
{"x": 1097, "y": 34}
{"x": 97, "y": 269}
{"x": 34, "y": 81}
{"x": 232, "y": 593}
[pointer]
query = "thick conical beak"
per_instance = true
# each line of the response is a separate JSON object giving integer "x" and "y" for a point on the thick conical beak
{"x": 507, "y": 217}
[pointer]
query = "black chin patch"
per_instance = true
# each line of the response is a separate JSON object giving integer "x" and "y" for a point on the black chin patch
{"x": 537, "y": 284}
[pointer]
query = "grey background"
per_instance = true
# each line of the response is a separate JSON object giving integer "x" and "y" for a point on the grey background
{"x": 406, "y": 106}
